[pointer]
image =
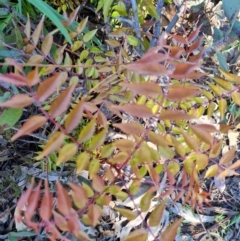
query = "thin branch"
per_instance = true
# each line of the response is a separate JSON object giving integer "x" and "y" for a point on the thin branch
{"x": 136, "y": 25}
{"x": 157, "y": 29}
{"x": 175, "y": 18}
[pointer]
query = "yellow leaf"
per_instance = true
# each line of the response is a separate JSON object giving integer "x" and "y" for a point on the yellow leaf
{"x": 216, "y": 149}
{"x": 156, "y": 214}
{"x": 130, "y": 215}
{"x": 223, "y": 83}
{"x": 212, "y": 171}
{"x": 216, "y": 89}
{"x": 174, "y": 168}
{"x": 87, "y": 132}
{"x": 52, "y": 145}
{"x": 146, "y": 200}
{"x": 211, "y": 109}
{"x": 191, "y": 141}
{"x": 222, "y": 107}
{"x": 66, "y": 153}
{"x": 231, "y": 77}
{"x": 98, "y": 139}
{"x": 236, "y": 97}
{"x": 201, "y": 162}
{"x": 137, "y": 235}
{"x": 82, "y": 161}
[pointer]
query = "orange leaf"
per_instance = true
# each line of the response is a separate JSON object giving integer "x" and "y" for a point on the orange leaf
{"x": 32, "y": 203}
{"x": 33, "y": 77}
{"x": 131, "y": 128}
{"x": 32, "y": 124}
{"x": 140, "y": 111}
{"x": 178, "y": 93}
{"x": 228, "y": 157}
{"x": 22, "y": 202}
{"x": 97, "y": 183}
{"x": 137, "y": 235}
{"x": 15, "y": 79}
{"x": 170, "y": 232}
{"x": 156, "y": 214}
{"x": 66, "y": 153}
{"x": 74, "y": 117}
{"x": 202, "y": 134}
{"x": 46, "y": 204}
{"x": 61, "y": 103}
{"x": 63, "y": 200}
{"x": 49, "y": 86}
{"x": 148, "y": 88}
{"x": 94, "y": 214}
{"x": 191, "y": 141}
{"x": 18, "y": 101}
{"x": 60, "y": 221}
{"x": 174, "y": 115}
{"x": 52, "y": 145}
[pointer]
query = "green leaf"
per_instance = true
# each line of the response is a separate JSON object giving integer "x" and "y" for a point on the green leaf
{"x": 13, "y": 236}
{"x": 132, "y": 40}
{"x": 152, "y": 10}
{"x": 106, "y": 9}
{"x": 222, "y": 61}
{"x": 89, "y": 35}
{"x": 50, "y": 13}
{"x": 10, "y": 116}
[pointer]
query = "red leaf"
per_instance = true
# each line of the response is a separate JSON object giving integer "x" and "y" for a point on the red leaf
{"x": 194, "y": 34}
{"x": 18, "y": 101}
{"x": 63, "y": 200}
{"x": 22, "y": 202}
{"x": 30, "y": 126}
{"x": 49, "y": 86}
{"x": 174, "y": 115}
{"x": 147, "y": 88}
{"x": 182, "y": 70}
{"x": 15, "y": 79}
{"x": 131, "y": 128}
{"x": 46, "y": 205}
{"x": 179, "y": 38}
{"x": 140, "y": 111}
{"x": 32, "y": 203}
{"x": 178, "y": 93}
{"x": 195, "y": 45}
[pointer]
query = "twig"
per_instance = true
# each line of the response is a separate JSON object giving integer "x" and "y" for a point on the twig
{"x": 157, "y": 28}
{"x": 136, "y": 25}
{"x": 175, "y": 18}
